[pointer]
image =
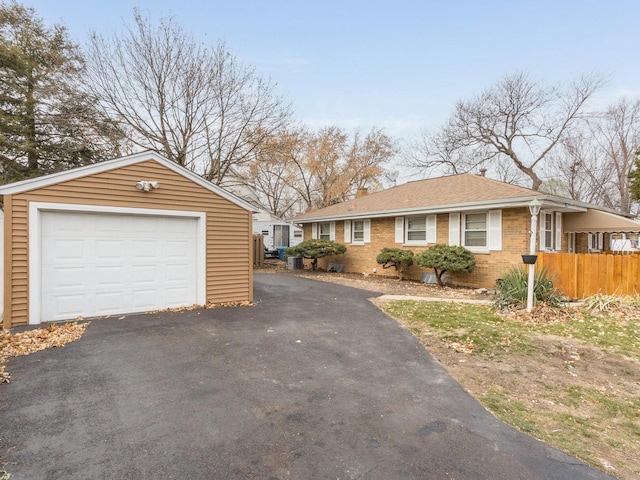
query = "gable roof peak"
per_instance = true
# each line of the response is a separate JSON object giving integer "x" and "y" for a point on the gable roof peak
{"x": 107, "y": 165}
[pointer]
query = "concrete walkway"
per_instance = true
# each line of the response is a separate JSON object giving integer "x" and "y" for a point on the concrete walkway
{"x": 390, "y": 298}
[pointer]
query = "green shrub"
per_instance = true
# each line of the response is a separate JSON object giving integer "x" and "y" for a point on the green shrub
{"x": 512, "y": 289}
{"x": 315, "y": 249}
{"x": 446, "y": 258}
{"x": 398, "y": 258}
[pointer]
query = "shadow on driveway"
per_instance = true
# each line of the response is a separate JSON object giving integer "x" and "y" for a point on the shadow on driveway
{"x": 313, "y": 382}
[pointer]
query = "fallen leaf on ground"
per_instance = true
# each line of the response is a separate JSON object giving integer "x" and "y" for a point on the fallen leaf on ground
{"x": 30, "y": 341}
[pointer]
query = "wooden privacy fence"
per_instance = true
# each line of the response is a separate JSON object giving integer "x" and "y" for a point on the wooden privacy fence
{"x": 580, "y": 275}
{"x": 258, "y": 251}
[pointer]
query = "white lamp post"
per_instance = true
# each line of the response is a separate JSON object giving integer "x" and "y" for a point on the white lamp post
{"x": 534, "y": 209}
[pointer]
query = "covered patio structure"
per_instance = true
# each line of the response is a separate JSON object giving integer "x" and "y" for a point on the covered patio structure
{"x": 599, "y": 231}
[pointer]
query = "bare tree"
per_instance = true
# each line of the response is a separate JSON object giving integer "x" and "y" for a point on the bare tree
{"x": 518, "y": 120}
{"x": 577, "y": 164}
{"x": 272, "y": 172}
{"x": 595, "y": 163}
{"x": 618, "y": 136}
{"x": 198, "y": 106}
{"x": 333, "y": 166}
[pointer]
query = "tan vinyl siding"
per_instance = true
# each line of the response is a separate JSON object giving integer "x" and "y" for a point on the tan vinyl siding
{"x": 229, "y": 227}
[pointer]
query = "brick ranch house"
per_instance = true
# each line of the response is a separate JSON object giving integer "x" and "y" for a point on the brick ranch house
{"x": 489, "y": 217}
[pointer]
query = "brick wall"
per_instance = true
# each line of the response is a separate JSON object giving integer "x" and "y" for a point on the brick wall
{"x": 489, "y": 267}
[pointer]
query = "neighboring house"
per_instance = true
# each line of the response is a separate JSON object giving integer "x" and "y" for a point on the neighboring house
{"x": 490, "y": 218}
{"x": 134, "y": 234}
{"x": 277, "y": 232}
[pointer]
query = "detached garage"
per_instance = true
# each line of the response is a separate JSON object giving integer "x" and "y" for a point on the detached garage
{"x": 133, "y": 234}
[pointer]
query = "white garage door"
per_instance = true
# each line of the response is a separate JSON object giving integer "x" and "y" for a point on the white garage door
{"x": 96, "y": 264}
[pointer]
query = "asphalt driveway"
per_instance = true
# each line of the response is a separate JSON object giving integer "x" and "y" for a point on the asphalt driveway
{"x": 312, "y": 383}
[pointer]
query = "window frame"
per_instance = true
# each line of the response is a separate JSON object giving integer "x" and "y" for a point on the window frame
{"x": 464, "y": 230}
{"x": 354, "y": 231}
{"x": 327, "y": 234}
{"x": 407, "y": 231}
{"x": 430, "y": 230}
{"x": 547, "y": 230}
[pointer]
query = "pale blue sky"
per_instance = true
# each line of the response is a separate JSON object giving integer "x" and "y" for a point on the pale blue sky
{"x": 398, "y": 64}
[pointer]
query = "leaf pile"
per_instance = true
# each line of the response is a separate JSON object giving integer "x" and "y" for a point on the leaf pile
{"x": 30, "y": 341}
{"x": 188, "y": 308}
{"x": 244, "y": 303}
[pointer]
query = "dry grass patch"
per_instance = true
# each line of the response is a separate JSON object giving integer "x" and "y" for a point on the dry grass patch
{"x": 569, "y": 377}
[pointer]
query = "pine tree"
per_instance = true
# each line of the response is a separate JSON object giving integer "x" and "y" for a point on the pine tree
{"x": 47, "y": 123}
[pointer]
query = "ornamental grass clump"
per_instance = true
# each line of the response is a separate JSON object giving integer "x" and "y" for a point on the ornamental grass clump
{"x": 511, "y": 291}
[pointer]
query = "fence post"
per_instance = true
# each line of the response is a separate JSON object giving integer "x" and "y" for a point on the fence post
{"x": 258, "y": 251}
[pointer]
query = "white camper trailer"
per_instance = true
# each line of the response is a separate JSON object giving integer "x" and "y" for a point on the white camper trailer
{"x": 276, "y": 232}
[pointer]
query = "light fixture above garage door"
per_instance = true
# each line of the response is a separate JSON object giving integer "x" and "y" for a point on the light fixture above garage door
{"x": 147, "y": 185}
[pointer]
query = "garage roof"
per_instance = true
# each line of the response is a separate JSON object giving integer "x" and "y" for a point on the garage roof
{"x": 54, "y": 178}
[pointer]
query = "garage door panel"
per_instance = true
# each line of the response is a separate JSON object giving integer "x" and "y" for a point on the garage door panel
{"x": 145, "y": 274}
{"x": 109, "y": 276}
{"x": 64, "y": 250}
{"x": 115, "y": 263}
{"x": 107, "y": 302}
{"x": 64, "y": 278}
{"x": 68, "y": 306}
{"x": 178, "y": 249}
{"x": 145, "y": 299}
{"x": 109, "y": 249}
{"x": 146, "y": 249}
{"x": 179, "y": 273}
{"x": 112, "y": 225}
{"x": 64, "y": 223}
{"x": 177, "y": 297}
{"x": 149, "y": 225}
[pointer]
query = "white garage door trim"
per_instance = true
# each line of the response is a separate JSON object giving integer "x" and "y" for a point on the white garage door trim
{"x": 35, "y": 244}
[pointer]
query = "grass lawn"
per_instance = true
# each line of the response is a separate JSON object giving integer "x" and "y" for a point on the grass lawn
{"x": 569, "y": 377}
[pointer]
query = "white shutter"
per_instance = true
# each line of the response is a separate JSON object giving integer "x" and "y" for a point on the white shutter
{"x": 558, "y": 231}
{"x": 367, "y": 231}
{"x": 399, "y": 229}
{"x": 494, "y": 229}
{"x": 454, "y": 229}
{"x": 332, "y": 231}
{"x": 347, "y": 231}
{"x": 432, "y": 223}
{"x": 314, "y": 231}
{"x": 541, "y": 242}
